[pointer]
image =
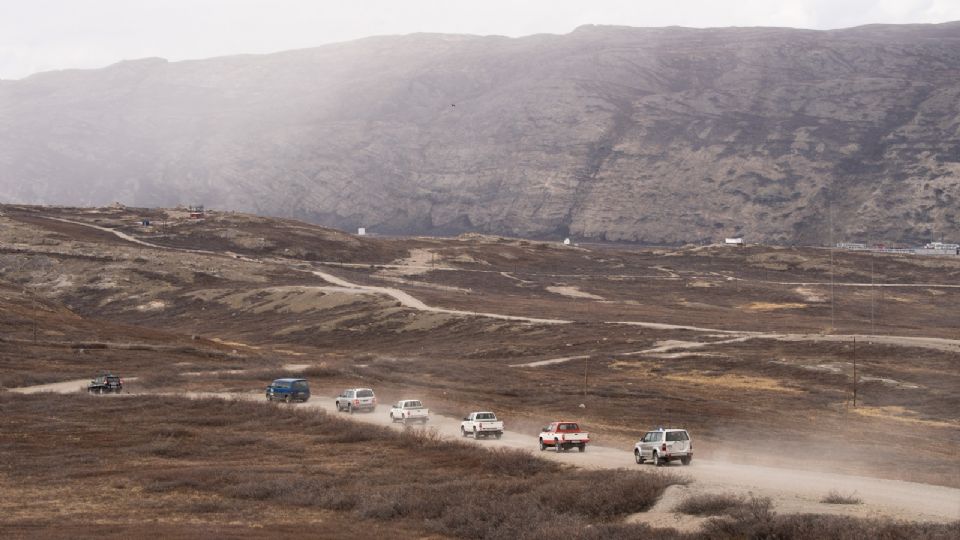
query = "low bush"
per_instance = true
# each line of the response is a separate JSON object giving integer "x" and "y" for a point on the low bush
{"x": 835, "y": 497}
{"x": 210, "y": 456}
{"x": 710, "y": 504}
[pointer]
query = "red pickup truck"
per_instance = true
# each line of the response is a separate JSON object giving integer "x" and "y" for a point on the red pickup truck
{"x": 564, "y": 436}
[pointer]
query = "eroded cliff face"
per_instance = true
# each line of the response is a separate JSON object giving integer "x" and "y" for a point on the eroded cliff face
{"x": 652, "y": 135}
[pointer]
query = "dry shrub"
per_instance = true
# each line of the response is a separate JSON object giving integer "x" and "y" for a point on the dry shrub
{"x": 320, "y": 372}
{"x": 710, "y": 504}
{"x": 243, "y": 454}
{"x": 835, "y": 497}
{"x": 802, "y": 526}
{"x": 752, "y": 519}
{"x": 162, "y": 378}
{"x": 604, "y": 494}
{"x": 756, "y": 519}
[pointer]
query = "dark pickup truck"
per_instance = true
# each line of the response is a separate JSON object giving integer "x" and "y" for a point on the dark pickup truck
{"x": 105, "y": 384}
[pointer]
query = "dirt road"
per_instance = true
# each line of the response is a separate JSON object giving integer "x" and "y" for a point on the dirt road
{"x": 408, "y": 300}
{"x": 792, "y": 491}
{"x": 65, "y": 387}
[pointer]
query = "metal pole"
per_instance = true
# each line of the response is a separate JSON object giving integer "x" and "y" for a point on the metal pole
{"x": 873, "y": 296}
{"x": 833, "y": 322}
{"x": 854, "y": 372}
{"x": 585, "y": 375}
{"x": 34, "y": 319}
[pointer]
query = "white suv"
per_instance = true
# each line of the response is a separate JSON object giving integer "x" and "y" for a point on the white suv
{"x": 357, "y": 399}
{"x": 662, "y": 446}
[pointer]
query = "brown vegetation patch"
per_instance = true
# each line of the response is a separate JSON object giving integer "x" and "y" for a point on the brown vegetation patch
{"x": 219, "y": 461}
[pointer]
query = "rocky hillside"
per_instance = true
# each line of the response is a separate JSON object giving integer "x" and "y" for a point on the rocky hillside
{"x": 652, "y": 135}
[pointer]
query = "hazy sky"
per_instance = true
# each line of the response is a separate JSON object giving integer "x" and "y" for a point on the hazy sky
{"x": 40, "y": 35}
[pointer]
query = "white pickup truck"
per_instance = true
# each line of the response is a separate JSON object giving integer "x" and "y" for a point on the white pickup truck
{"x": 481, "y": 424}
{"x": 563, "y": 436}
{"x": 409, "y": 410}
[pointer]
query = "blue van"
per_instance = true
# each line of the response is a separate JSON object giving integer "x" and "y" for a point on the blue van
{"x": 288, "y": 390}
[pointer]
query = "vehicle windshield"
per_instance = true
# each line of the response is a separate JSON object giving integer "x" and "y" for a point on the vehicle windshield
{"x": 674, "y": 436}
{"x": 568, "y": 427}
{"x": 414, "y": 405}
{"x": 486, "y": 416}
{"x": 364, "y": 393}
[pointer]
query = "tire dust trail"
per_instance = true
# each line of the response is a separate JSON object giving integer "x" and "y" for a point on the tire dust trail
{"x": 792, "y": 491}
{"x": 65, "y": 387}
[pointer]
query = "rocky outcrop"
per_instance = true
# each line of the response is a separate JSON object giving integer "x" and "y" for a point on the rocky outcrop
{"x": 650, "y": 135}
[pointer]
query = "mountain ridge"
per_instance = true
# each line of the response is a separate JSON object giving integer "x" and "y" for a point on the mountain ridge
{"x": 653, "y": 135}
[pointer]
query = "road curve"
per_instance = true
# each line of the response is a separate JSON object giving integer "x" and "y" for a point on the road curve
{"x": 792, "y": 491}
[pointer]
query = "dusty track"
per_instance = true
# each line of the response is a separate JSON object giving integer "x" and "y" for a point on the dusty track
{"x": 792, "y": 491}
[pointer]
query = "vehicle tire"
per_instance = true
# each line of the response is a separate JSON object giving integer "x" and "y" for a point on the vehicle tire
{"x": 556, "y": 443}
{"x": 288, "y": 399}
{"x": 637, "y": 457}
{"x": 349, "y": 408}
{"x": 498, "y": 435}
{"x": 463, "y": 432}
{"x": 655, "y": 459}
{"x": 475, "y": 434}
{"x": 686, "y": 460}
{"x": 582, "y": 448}
{"x": 542, "y": 446}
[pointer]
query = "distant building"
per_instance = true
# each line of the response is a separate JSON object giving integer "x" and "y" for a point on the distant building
{"x": 362, "y": 231}
{"x": 738, "y": 241}
{"x": 566, "y": 241}
{"x": 939, "y": 248}
{"x": 851, "y": 245}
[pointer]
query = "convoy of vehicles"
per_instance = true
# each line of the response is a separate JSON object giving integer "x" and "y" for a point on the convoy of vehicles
{"x": 105, "y": 383}
{"x": 357, "y": 399}
{"x": 661, "y": 446}
{"x": 481, "y": 424}
{"x": 563, "y": 436}
{"x": 288, "y": 390}
{"x": 409, "y": 410}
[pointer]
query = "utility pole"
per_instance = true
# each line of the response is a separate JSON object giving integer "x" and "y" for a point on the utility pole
{"x": 586, "y": 360}
{"x": 854, "y": 372}
{"x": 34, "y": 319}
{"x": 833, "y": 320}
{"x": 873, "y": 295}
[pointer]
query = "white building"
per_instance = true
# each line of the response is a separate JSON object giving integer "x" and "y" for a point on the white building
{"x": 738, "y": 241}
